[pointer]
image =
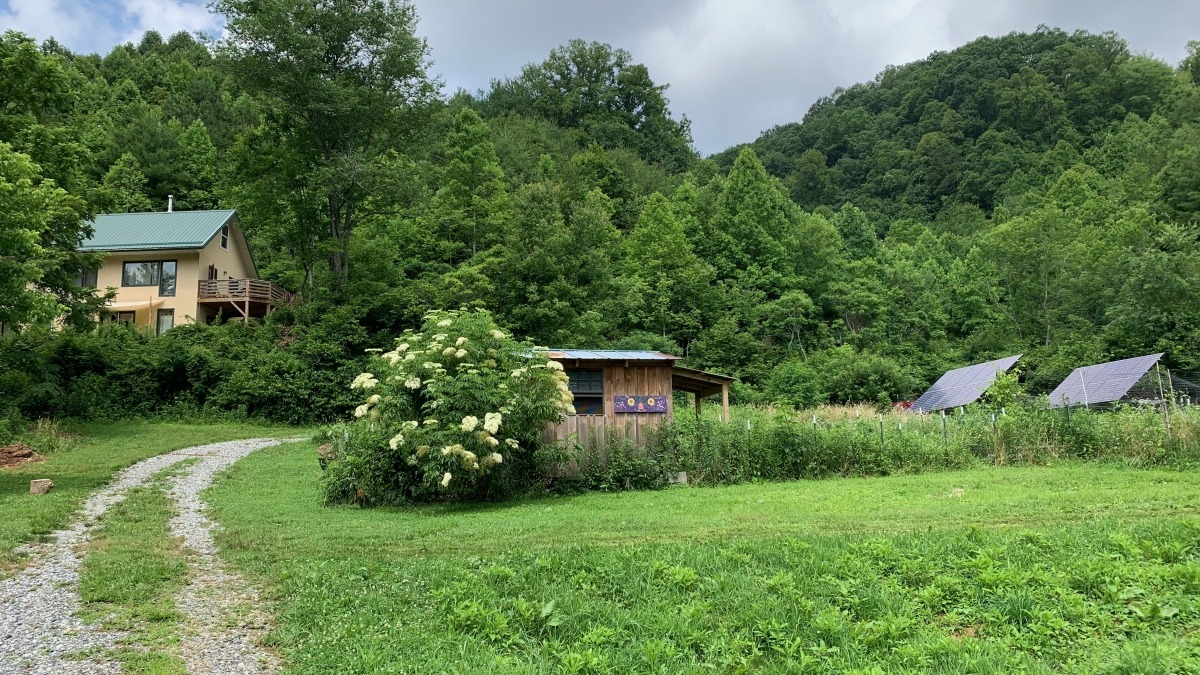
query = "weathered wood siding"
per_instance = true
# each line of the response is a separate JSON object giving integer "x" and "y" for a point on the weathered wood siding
{"x": 592, "y": 430}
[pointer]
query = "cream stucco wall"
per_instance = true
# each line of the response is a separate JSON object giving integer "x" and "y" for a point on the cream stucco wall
{"x": 192, "y": 267}
{"x": 148, "y": 299}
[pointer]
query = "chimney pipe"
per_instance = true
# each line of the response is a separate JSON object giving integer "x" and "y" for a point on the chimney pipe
{"x": 170, "y": 203}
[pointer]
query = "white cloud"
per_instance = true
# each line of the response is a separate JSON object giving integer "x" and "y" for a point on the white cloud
{"x": 72, "y": 23}
{"x": 167, "y": 17}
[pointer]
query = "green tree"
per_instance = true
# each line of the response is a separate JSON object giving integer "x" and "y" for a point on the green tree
{"x": 603, "y": 96}
{"x": 346, "y": 85}
{"x": 471, "y": 207}
{"x": 675, "y": 285}
{"x": 40, "y": 227}
{"x": 124, "y": 187}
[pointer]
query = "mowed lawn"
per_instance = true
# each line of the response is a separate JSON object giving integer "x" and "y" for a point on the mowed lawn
{"x": 1076, "y": 568}
{"x": 97, "y": 453}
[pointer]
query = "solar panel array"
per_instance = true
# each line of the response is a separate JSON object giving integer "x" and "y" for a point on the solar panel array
{"x": 962, "y": 386}
{"x": 1103, "y": 382}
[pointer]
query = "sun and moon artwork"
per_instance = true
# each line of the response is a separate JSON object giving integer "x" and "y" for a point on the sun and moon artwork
{"x": 640, "y": 404}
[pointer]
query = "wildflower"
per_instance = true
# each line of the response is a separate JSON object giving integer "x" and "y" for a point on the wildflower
{"x": 496, "y": 458}
{"x": 413, "y": 382}
{"x": 421, "y": 451}
{"x": 403, "y": 347}
{"x": 392, "y": 358}
{"x": 460, "y": 353}
{"x": 396, "y": 441}
{"x": 490, "y": 363}
{"x": 431, "y": 422}
{"x": 444, "y": 322}
{"x": 502, "y": 386}
{"x": 493, "y": 441}
{"x": 460, "y": 342}
{"x": 570, "y": 410}
{"x": 554, "y": 365}
{"x": 439, "y": 337}
{"x": 364, "y": 381}
{"x": 362, "y": 410}
{"x": 511, "y": 442}
{"x": 373, "y": 350}
{"x": 469, "y": 423}
{"x": 491, "y": 352}
{"x": 498, "y": 334}
{"x": 448, "y": 351}
{"x": 446, "y": 479}
{"x": 410, "y": 357}
{"x": 519, "y": 372}
{"x": 491, "y": 422}
{"x": 412, "y": 460}
{"x": 429, "y": 365}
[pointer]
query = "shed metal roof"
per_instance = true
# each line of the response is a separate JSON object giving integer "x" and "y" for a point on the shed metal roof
{"x": 609, "y": 355}
{"x": 156, "y": 230}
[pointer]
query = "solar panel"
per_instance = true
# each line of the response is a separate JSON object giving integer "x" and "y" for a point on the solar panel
{"x": 962, "y": 385}
{"x": 1103, "y": 382}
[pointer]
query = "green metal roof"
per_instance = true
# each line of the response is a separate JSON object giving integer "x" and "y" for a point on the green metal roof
{"x": 155, "y": 231}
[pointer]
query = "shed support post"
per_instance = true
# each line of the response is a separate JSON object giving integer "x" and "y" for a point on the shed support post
{"x": 699, "y": 401}
{"x": 725, "y": 402}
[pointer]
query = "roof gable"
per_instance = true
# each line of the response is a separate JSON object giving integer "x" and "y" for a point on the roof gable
{"x": 156, "y": 231}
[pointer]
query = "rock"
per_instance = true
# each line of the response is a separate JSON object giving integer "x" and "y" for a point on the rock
{"x": 40, "y": 486}
{"x": 324, "y": 454}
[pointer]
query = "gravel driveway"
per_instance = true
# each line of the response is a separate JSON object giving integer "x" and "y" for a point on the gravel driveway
{"x": 39, "y": 632}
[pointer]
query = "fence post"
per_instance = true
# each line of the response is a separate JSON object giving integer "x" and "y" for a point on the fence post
{"x": 1166, "y": 406}
{"x": 881, "y": 445}
{"x": 945, "y": 438}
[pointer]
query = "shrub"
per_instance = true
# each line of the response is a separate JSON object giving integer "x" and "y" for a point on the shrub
{"x": 455, "y": 411}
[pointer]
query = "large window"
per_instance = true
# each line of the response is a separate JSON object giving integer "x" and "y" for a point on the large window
{"x": 87, "y": 279}
{"x": 225, "y": 237}
{"x": 159, "y": 273}
{"x": 166, "y": 320}
{"x": 588, "y": 388}
{"x": 127, "y": 318}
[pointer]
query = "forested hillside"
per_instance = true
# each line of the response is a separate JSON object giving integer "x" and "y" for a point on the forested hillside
{"x": 1035, "y": 193}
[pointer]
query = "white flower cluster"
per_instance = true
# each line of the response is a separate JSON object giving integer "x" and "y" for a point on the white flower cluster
{"x": 364, "y": 381}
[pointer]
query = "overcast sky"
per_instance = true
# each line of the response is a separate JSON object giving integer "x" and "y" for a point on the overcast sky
{"x": 736, "y": 67}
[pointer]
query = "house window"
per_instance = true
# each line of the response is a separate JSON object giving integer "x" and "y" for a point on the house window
{"x": 87, "y": 279}
{"x": 166, "y": 320}
{"x": 124, "y": 318}
{"x": 159, "y": 273}
{"x": 225, "y": 237}
{"x": 212, "y": 272}
{"x": 588, "y": 388}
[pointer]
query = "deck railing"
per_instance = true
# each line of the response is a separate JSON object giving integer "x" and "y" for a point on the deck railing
{"x": 254, "y": 290}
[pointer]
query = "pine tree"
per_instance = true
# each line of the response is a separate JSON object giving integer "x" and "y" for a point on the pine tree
{"x": 124, "y": 188}
{"x": 471, "y": 207}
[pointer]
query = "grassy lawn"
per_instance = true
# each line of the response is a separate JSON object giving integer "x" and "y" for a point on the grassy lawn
{"x": 1075, "y": 568}
{"x": 98, "y": 452}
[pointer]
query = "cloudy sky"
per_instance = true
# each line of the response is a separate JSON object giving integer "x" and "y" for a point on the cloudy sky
{"x": 736, "y": 67}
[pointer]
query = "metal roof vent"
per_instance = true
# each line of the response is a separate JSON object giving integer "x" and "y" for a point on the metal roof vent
{"x": 170, "y": 203}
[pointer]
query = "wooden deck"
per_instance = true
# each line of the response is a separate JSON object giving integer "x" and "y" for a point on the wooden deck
{"x": 246, "y": 298}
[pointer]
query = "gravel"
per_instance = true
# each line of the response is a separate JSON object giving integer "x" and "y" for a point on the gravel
{"x": 39, "y": 632}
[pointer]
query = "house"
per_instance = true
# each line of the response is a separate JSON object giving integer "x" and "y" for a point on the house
{"x": 630, "y": 391}
{"x": 177, "y": 267}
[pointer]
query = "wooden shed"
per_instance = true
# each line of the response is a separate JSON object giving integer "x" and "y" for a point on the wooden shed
{"x": 627, "y": 391}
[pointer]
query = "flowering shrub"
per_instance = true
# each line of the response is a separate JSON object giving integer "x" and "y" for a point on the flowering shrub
{"x": 455, "y": 411}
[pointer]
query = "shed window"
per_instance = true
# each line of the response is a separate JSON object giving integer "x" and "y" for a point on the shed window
{"x": 225, "y": 237}
{"x": 588, "y": 388}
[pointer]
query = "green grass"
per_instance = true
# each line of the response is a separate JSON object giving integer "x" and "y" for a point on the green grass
{"x": 99, "y": 451}
{"x": 129, "y": 579}
{"x": 1071, "y": 568}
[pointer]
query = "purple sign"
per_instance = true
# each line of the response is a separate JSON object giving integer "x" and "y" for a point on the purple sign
{"x": 640, "y": 404}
